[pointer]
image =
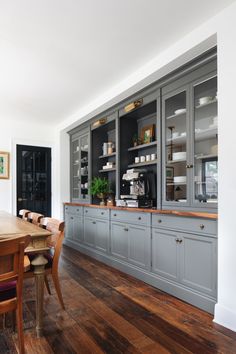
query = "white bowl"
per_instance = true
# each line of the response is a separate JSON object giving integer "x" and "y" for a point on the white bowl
{"x": 204, "y": 100}
{"x": 180, "y": 111}
{"x": 180, "y": 179}
{"x": 175, "y": 135}
{"x": 179, "y": 155}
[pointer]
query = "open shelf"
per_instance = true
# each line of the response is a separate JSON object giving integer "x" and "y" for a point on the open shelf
{"x": 176, "y": 184}
{"x": 201, "y": 157}
{"x": 108, "y": 170}
{"x": 170, "y": 162}
{"x": 143, "y": 146}
{"x": 108, "y": 155}
{"x": 146, "y": 163}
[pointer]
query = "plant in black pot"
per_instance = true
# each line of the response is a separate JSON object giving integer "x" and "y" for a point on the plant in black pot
{"x": 100, "y": 187}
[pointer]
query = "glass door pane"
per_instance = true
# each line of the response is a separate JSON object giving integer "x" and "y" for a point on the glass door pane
{"x": 75, "y": 169}
{"x": 205, "y": 142}
{"x": 84, "y": 167}
{"x": 176, "y": 148}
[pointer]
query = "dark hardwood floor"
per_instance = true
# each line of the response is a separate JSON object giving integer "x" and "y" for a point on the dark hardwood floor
{"x": 110, "y": 312}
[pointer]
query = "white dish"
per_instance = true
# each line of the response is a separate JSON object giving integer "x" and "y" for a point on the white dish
{"x": 179, "y": 155}
{"x": 180, "y": 111}
{"x": 204, "y": 100}
{"x": 183, "y": 134}
{"x": 180, "y": 179}
{"x": 175, "y": 135}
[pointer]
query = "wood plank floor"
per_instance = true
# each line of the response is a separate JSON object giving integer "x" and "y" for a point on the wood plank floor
{"x": 110, "y": 312}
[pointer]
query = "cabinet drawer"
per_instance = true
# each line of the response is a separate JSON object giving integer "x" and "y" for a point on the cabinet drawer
{"x": 71, "y": 209}
{"x": 131, "y": 217}
{"x": 195, "y": 225}
{"x": 96, "y": 213}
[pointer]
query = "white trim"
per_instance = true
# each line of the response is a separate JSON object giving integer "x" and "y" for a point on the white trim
{"x": 225, "y": 317}
{"x": 13, "y": 167}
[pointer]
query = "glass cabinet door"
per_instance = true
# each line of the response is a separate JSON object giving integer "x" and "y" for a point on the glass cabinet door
{"x": 83, "y": 171}
{"x": 175, "y": 175}
{"x": 205, "y": 142}
{"x": 75, "y": 169}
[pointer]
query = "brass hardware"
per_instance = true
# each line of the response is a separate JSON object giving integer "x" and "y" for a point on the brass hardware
{"x": 159, "y": 221}
{"x": 202, "y": 226}
{"x": 99, "y": 122}
{"x": 126, "y": 229}
{"x": 114, "y": 214}
{"x": 189, "y": 166}
{"x": 180, "y": 241}
{"x": 133, "y": 105}
{"x": 71, "y": 217}
{"x": 94, "y": 222}
{"x": 86, "y": 211}
{"x": 21, "y": 199}
{"x": 176, "y": 240}
{"x": 139, "y": 218}
{"x": 102, "y": 213}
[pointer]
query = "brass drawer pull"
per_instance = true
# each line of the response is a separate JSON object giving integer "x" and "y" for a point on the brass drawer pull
{"x": 102, "y": 213}
{"x": 94, "y": 222}
{"x": 159, "y": 221}
{"x": 114, "y": 214}
{"x": 202, "y": 226}
{"x": 126, "y": 229}
{"x": 139, "y": 218}
{"x": 71, "y": 217}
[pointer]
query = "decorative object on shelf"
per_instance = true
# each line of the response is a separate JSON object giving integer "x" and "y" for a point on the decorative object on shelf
{"x": 104, "y": 148}
{"x": 135, "y": 139}
{"x": 100, "y": 187}
{"x": 109, "y": 148}
{"x": 99, "y": 122}
{"x": 180, "y": 111}
{"x": 148, "y": 157}
{"x": 136, "y": 159}
{"x": 204, "y": 100}
{"x": 110, "y": 199}
{"x": 142, "y": 158}
{"x": 153, "y": 157}
{"x": 148, "y": 133}
{"x": 133, "y": 105}
{"x": 4, "y": 164}
{"x": 108, "y": 166}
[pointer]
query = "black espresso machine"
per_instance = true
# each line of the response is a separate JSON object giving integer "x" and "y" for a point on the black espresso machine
{"x": 138, "y": 189}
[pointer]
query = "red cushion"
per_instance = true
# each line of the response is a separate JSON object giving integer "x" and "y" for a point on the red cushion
{"x": 7, "y": 290}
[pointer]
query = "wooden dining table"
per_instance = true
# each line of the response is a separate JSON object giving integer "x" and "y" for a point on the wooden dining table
{"x": 11, "y": 226}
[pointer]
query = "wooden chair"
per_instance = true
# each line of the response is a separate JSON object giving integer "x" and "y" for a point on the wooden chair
{"x": 23, "y": 213}
{"x": 34, "y": 218}
{"x": 54, "y": 242}
{"x": 11, "y": 279}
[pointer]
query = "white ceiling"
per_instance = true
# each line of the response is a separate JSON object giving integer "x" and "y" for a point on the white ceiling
{"x": 56, "y": 56}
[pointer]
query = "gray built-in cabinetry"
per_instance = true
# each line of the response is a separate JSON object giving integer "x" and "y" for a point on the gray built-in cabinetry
{"x": 176, "y": 119}
{"x": 173, "y": 253}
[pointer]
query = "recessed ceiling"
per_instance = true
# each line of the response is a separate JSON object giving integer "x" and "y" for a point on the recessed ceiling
{"x": 59, "y": 55}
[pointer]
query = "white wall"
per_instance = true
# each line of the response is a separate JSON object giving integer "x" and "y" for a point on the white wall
{"x": 222, "y": 25}
{"x": 19, "y": 132}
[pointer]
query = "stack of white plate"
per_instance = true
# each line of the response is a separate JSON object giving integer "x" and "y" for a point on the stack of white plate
{"x": 180, "y": 179}
{"x": 179, "y": 155}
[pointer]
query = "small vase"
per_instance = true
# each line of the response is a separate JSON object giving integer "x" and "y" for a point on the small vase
{"x": 102, "y": 196}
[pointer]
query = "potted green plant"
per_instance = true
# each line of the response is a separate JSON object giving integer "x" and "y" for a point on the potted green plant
{"x": 100, "y": 187}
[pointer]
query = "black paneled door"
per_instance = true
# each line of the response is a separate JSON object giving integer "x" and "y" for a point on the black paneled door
{"x": 34, "y": 179}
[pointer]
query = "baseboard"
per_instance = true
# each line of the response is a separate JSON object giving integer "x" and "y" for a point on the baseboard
{"x": 225, "y": 317}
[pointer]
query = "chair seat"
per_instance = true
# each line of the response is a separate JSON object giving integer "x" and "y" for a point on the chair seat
{"x": 7, "y": 290}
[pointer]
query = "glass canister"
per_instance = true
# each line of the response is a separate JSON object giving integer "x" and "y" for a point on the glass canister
{"x": 109, "y": 147}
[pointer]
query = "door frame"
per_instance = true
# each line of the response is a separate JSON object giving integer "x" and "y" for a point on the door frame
{"x": 13, "y": 167}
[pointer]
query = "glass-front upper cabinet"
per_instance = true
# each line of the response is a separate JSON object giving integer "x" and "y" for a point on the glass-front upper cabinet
{"x": 190, "y": 148}
{"x": 80, "y": 167}
{"x": 205, "y": 142}
{"x": 176, "y": 147}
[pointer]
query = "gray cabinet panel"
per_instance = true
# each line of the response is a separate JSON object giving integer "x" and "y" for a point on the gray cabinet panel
{"x": 181, "y": 223}
{"x": 96, "y": 212}
{"x": 141, "y": 218}
{"x": 78, "y": 229}
{"x": 102, "y": 235}
{"x": 164, "y": 254}
{"x": 89, "y": 231}
{"x": 198, "y": 263}
{"x": 74, "y": 226}
{"x": 139, "y": 246}
{"x": 119, "y": 240}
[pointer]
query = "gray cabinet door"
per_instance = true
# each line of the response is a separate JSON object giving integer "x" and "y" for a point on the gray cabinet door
{"x": 165, "y": 254}
{"x": 69, "y": 218}
{"x": 119, "y": 240}
{"x": 78, "y": 230}
{"x": 102, "y": 235}
{"x": 139, "y": 246}
{"x": 198, "y": 256}
{"x": 89, "y": 231}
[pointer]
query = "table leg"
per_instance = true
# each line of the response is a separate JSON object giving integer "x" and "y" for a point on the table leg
{"x": 39, "y": 263}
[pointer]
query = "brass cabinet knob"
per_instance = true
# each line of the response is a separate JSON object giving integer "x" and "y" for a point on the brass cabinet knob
{"x": 139, "y": 218}
{"x": 126, "y": 229}
{"x": 202, "y": 226}
{"x": 159, "y": 221}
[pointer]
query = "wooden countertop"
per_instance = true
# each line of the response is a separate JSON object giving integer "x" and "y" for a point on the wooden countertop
{"x": 195, "y": 214}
